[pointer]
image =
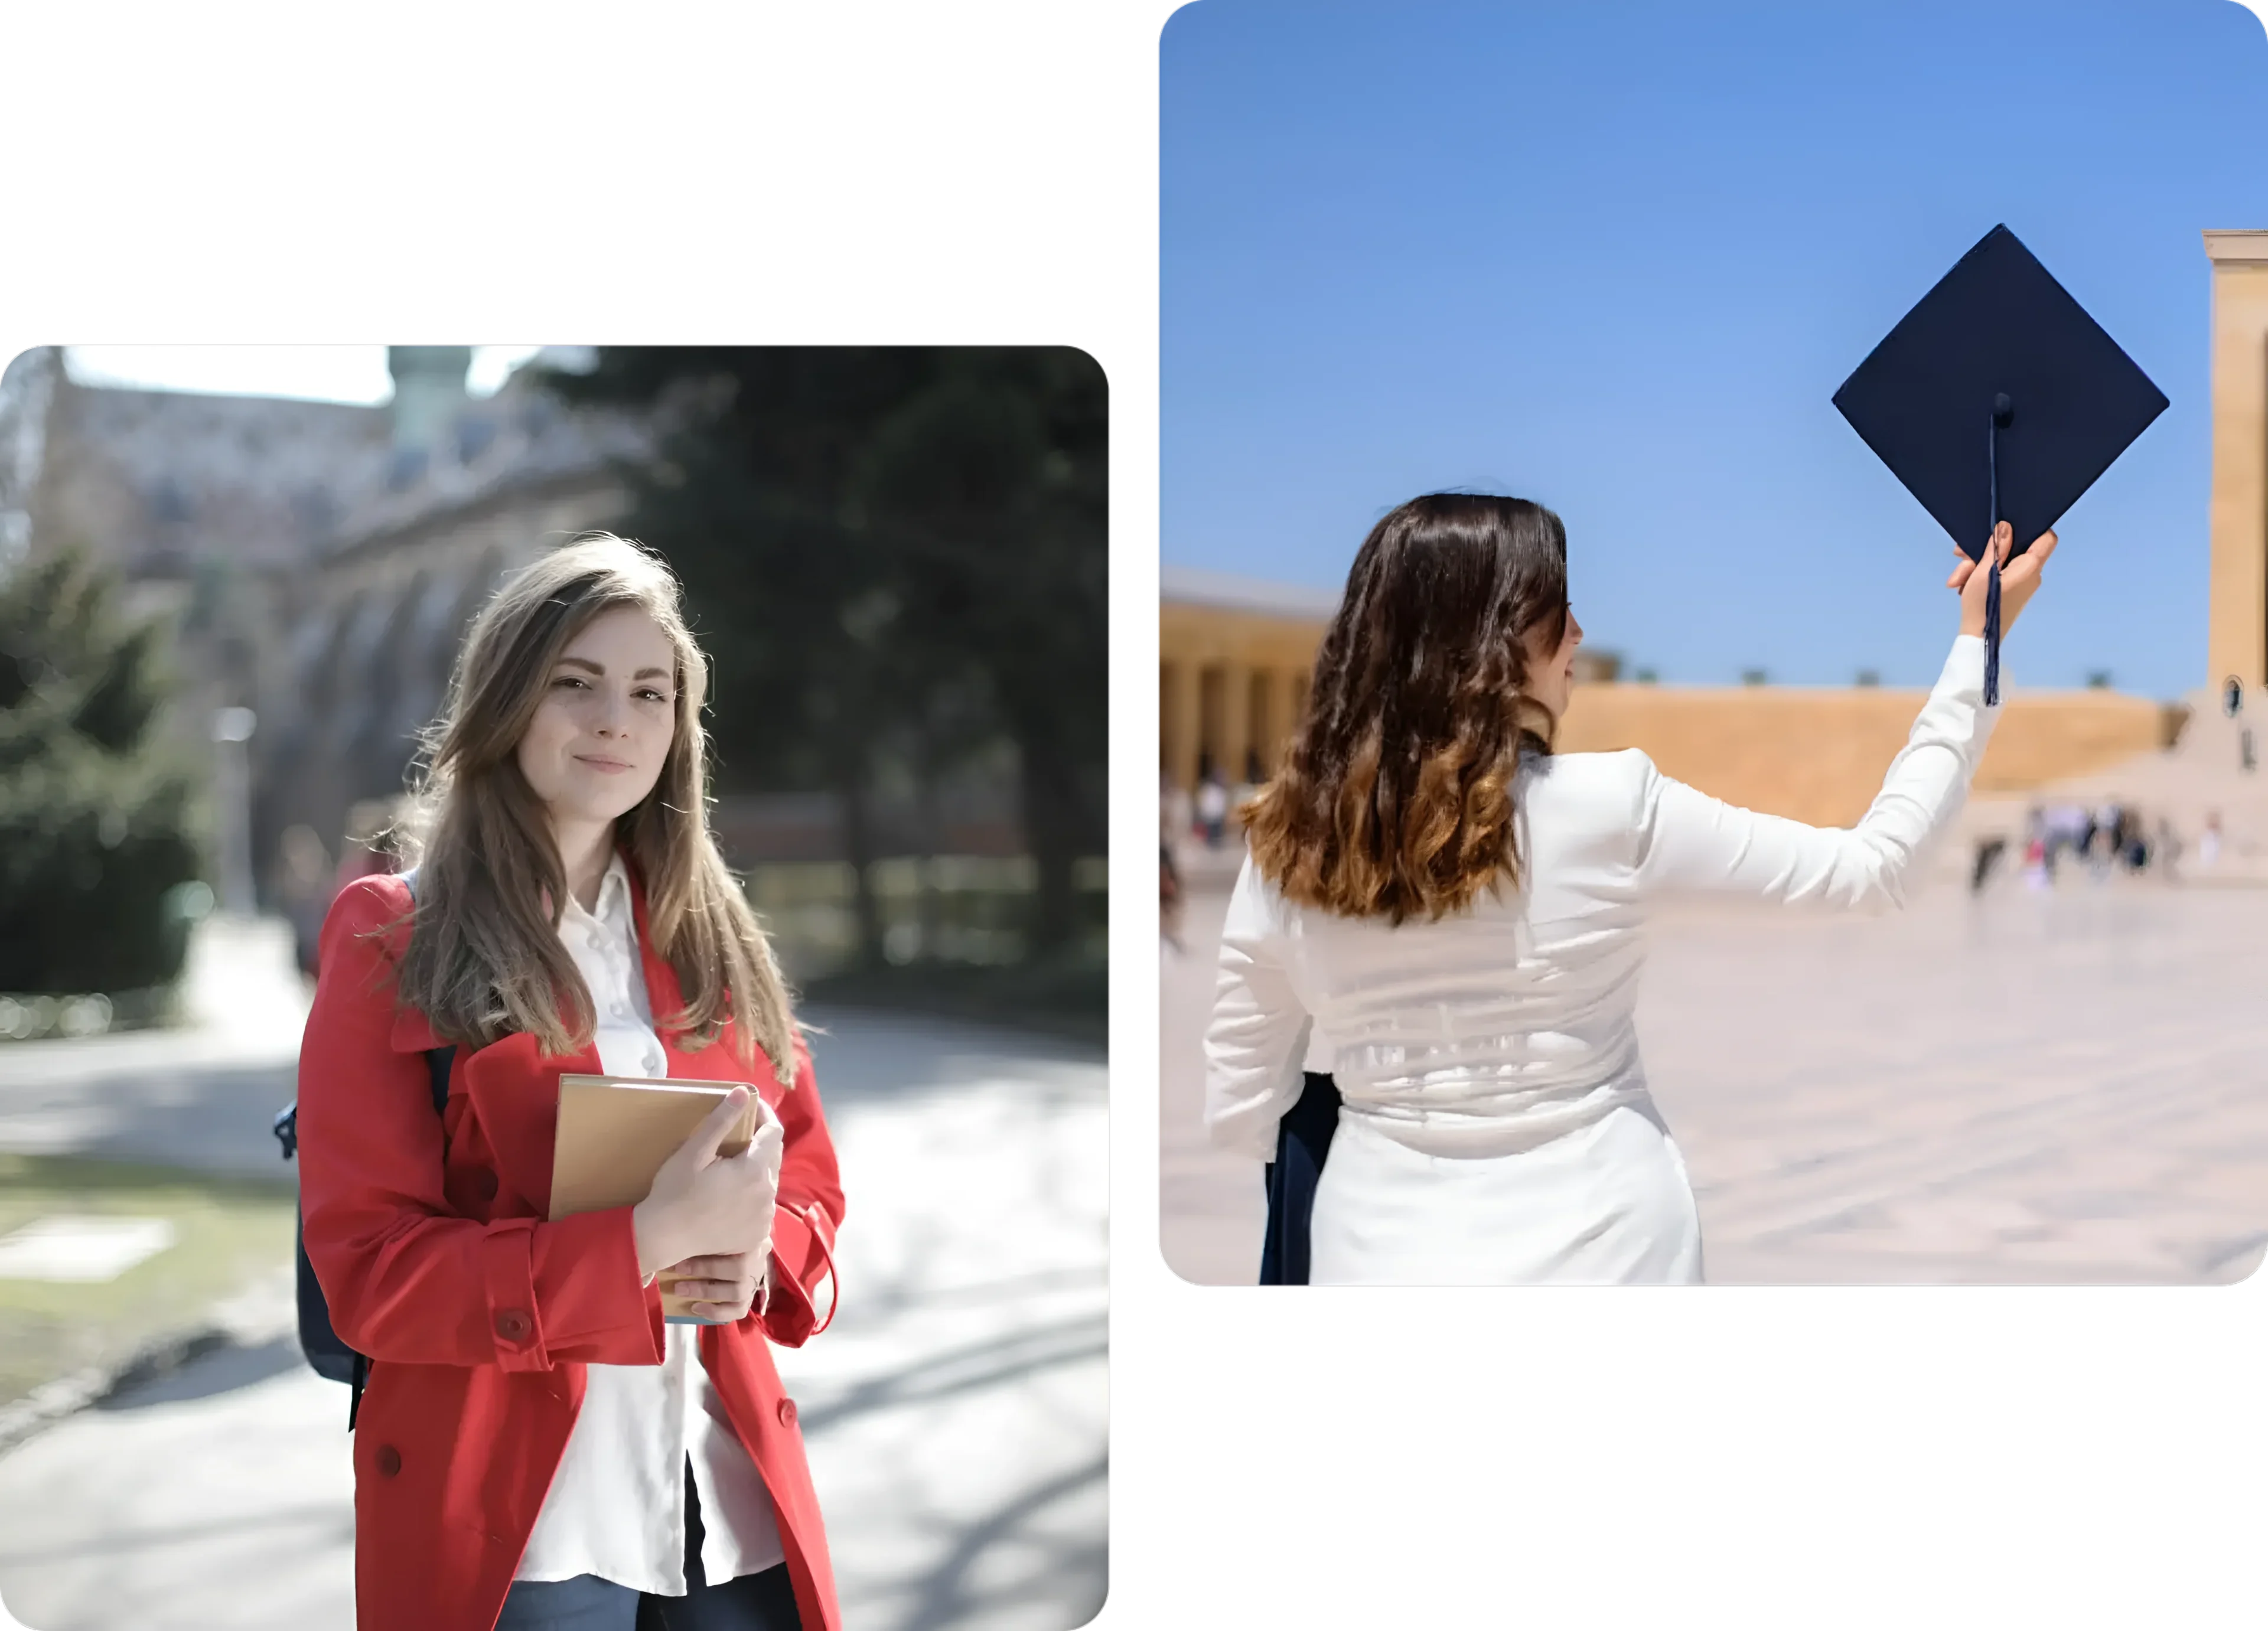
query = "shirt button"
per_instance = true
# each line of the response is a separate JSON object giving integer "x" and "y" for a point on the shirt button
{"x": 512, "y": 1325}
{"x": 389, "y": 1460}
{"x": 787, "y": 1412}
{"x": 654, "y": 1063}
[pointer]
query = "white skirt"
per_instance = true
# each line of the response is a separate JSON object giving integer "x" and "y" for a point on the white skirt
{"x": 1607, "y": 1204}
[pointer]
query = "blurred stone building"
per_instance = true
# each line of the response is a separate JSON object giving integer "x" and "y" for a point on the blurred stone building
{"x": 319, "y": 563}
{"x": 1235, "y": 657}
{"x": 471, "y": 490}
{"x": 319, "y": 560}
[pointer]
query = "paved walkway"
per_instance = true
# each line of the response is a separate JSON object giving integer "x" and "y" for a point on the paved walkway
{"x": 2066, "y": 1086}
{"x": 955, "y": 1414}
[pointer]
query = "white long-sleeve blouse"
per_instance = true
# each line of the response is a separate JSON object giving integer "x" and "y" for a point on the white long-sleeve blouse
{"x": 1502, "y": 1027}
{"x": 616, "y": 1505}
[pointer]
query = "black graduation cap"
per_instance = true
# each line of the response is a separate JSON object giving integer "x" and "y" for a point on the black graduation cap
{"x": 1997, "y": 398}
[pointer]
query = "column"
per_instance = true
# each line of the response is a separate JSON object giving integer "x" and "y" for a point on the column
{"x": 1168, "y": 746}
{"x": 1213, "y": 714}
{"x": 2237, "y": 628}
{"x": 1235, "y": 718}
{"x": 1177, "y": 713}
{"x": 1268, "y": 718}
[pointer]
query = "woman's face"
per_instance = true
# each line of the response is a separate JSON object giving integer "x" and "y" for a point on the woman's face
{"x": 1551, "y": 672}
{"x": 597, "y": 743}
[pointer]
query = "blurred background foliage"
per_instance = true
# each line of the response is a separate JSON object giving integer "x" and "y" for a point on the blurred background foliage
{"x": 225, "y": 617}
{"x": 897, "y": 559}
{"x": 100, "y": 828}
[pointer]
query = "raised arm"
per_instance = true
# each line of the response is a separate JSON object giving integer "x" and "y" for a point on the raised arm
{"x": 1258, "y": 1037}
{"x": 1687, "y": 840}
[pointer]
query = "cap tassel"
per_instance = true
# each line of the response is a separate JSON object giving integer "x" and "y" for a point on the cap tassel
{"x": 1992, "y": 638}
{"x": 2003, "y": 411}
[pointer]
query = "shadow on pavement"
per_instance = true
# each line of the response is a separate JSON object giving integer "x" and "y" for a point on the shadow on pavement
{"x": 904, "y": 1294}
{"x": 221, "y": 1368}
{"x": 325, "y": 1521}
{"x": 946, "y": 1595}
{"x": 968, "y": 1368}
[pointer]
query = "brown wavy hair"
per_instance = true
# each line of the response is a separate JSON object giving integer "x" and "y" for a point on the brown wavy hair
{"x": 1396, "y": 795}
{"x": 484, "y": 956}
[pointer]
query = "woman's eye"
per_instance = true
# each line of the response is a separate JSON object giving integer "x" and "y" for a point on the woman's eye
{"x": 644, "y": 694}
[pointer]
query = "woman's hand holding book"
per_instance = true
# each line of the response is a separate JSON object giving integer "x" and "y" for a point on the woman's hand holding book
{"x": 704, "y": 1204}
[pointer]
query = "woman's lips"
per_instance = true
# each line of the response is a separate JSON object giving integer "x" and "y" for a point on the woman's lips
{"x": 612, "y": 766}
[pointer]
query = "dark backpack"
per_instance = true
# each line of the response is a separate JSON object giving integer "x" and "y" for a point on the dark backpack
{"x": 330, "y": 1357}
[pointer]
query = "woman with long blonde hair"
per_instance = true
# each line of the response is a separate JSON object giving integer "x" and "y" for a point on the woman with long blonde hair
{"x": 536, "y": 1449}
{"x": 1458, "y": 910}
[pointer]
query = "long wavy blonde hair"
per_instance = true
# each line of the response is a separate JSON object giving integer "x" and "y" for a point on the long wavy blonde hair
{"x": 484, "y": 957}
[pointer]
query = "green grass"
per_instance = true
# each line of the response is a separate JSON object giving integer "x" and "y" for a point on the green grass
{"x": 227, "y": 1232}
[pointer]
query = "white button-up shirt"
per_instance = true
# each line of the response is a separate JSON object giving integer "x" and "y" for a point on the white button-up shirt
{"x": 616, "y": 1506}
{"x": 1499, "y": 1028}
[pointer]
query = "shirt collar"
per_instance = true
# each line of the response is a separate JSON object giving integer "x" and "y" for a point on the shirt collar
{"x": 614, "y": 896}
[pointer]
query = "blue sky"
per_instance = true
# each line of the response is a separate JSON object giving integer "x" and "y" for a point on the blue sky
{"x": 1617, "y": 257}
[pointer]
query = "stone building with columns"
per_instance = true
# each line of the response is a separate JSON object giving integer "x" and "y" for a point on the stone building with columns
{"x": 1234, "y": 655}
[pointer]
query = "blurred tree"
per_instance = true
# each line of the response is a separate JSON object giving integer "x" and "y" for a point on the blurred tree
{"x": 884, "y": 547}
{"x": 993, "y": 481}
{"x": 97, "y": 826}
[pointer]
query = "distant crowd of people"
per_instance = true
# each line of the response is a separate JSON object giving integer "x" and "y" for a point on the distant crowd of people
{"x": 2101, "y": 840}
{"x": 1202, "y": 816}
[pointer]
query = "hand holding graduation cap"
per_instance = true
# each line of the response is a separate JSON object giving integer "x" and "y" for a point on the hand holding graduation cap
{"x": 2020, "y": 579}
{"x": 1998, "y": 399}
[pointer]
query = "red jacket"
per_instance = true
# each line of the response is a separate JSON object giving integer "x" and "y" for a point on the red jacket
{"x": 479, "y": 1316}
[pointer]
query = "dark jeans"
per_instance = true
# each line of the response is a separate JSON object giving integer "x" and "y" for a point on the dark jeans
{"x": 764, "y": 1602}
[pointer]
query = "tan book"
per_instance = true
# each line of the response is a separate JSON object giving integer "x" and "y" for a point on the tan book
{"x": 615, "y": 1131}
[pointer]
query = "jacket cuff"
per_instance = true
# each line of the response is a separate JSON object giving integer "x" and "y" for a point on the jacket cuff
{"x": 595, "y": 1306}
{"x": 790, "y": 1313}
{"x": 508, "y": 1277}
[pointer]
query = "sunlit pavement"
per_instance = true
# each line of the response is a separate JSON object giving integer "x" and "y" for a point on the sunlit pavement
{"x": 2066, "y": 1085}
{"x": 955, "y": 1413}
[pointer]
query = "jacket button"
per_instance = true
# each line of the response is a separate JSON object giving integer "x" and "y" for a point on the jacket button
{"x": 485, "y": 1184}
{"x": 389, "y": 1460}
{"x": 512, "y": 1325}
{"x": 787, "y": 1412}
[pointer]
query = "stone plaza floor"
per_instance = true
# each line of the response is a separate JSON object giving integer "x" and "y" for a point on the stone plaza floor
{"x": 2021, "y": 1086}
